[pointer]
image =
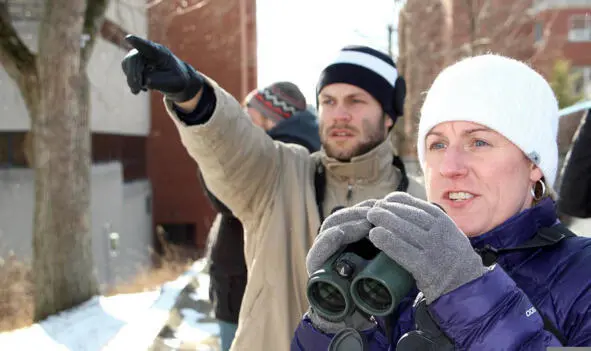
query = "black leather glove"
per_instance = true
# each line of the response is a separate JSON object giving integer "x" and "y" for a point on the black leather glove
{"x": 153, "y": 66}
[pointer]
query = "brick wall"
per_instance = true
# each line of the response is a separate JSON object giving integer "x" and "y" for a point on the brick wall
{"x": 219, "y": 39}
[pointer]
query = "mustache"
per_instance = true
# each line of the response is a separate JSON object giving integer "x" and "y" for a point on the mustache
{"x": 342, "y": 126}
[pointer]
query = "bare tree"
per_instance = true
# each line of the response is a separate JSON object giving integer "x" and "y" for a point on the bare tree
{"x": 435, "y": 33}
{"x": 55, "y": 88}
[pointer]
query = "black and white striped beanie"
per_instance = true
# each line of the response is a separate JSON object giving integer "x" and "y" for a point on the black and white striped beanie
{"x": 370, "y": 70}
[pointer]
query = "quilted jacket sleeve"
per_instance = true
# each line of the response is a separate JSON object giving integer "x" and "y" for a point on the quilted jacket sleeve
{"x": 491, "y": 313}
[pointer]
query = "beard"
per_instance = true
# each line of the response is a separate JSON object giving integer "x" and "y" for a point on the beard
{"x": 370, "y": 136}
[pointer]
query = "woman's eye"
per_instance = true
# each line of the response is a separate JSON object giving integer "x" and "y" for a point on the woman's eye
{"x": 480, "y": 143}
{"x": 436, "y": 146}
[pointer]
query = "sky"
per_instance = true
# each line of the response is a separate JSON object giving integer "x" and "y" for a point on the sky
{"x": 297, "y": 38}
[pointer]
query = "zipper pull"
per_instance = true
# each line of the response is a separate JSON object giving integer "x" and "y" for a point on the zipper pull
{"x": 349, "y": 192}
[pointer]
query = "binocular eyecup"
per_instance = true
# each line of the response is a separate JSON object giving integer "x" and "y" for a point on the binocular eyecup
{"x": 361, "y": 277}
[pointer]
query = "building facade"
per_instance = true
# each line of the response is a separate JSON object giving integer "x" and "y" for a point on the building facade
{"x": 218, "y": 38}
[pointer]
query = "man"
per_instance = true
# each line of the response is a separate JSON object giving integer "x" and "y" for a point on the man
{"x": 279, "y": 191}
{"x": 280, "y": 110}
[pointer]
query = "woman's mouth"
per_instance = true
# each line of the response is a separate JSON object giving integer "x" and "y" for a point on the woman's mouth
{"x": 458, "y": 199}
{"x": 459, "y": 196}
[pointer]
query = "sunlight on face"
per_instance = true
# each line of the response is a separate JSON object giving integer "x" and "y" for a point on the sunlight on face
{"x": 477, "y": 175}
{"x": 352, "y": 121}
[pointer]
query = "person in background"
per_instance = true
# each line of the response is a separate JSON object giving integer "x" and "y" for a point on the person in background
{"x": 280, "y": 110}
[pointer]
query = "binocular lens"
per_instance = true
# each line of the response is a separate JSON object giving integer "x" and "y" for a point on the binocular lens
{"x": 328, "y": 297}
{"x": 374, "y": 294}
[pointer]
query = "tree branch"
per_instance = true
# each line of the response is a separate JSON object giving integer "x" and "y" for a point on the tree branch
{"x": 15, "y": 57}
{"x": 93, "y": 20}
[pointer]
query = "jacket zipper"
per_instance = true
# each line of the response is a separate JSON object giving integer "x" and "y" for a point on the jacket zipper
{"x": 349, "y": 193}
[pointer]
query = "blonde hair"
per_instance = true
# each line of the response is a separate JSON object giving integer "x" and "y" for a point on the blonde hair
{"x": 548, "y": 192}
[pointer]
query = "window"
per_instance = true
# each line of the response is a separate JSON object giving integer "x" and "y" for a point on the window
{"x": 12, "y": 152}
{"x": 538, "y": 32}
{"x": 127, "y": 149}
{"x": 580, "y": 28}
{"x": 583, "y": 82}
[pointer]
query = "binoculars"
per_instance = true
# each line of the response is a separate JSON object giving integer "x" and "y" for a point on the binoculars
{"x": 359, "y": 276}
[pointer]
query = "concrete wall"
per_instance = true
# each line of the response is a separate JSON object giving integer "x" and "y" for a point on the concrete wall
{"x": 115, "y": 207}
{"x": 113, "y": 108}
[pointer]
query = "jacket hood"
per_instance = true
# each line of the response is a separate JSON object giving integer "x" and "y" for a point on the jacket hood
{"x": 301, "y": 128}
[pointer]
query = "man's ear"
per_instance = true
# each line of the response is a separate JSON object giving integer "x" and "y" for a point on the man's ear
{"x": 388, "y": 122}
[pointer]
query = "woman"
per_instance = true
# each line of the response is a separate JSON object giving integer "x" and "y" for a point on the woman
{"x": 487, "y": 146}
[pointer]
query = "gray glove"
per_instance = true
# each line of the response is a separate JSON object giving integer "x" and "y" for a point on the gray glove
{"x": 341, "y": 228}
{"x": 422, "y": 239}
{"x": 355, "y": 321}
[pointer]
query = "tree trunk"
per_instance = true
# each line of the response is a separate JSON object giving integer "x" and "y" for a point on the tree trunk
{"x": 31, "y": 97}
{"x": 63, "y": 262}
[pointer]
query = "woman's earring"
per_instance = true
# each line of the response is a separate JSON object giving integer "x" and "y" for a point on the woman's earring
{"x": 542, "y": 193}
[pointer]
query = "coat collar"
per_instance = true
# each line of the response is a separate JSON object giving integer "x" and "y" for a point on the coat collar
{"x": 519, "y": 228}
{"x": 364, "y": 168}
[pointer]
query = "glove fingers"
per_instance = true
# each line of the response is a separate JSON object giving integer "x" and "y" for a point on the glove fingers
{"x": 327, "y": 243}
{"x": 332, "y": 239}
{"x": 410, "y": 214}
{"x": 355, "y": 230}
{"x": 380, "y": 217}
{"x": 150, "y": 50}
{"x": 133, "y": 66}
{"x": 410, "y": 200}
{"x": 366, "y": 203}
{"x": 126, "y": 59}
{"x": 404, "y": 253}
{"x": 345, "y": 215}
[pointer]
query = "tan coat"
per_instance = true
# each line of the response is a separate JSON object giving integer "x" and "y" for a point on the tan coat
{"x": 270, "y": 187}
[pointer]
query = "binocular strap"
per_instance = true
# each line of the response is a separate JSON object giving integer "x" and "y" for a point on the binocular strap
{"x": 347, "y": 339}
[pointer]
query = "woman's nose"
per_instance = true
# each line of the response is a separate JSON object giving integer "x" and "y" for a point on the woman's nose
{"x": 454, "y": 163}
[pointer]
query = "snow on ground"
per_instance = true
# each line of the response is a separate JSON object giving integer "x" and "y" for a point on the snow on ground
{"x": 121, "y": 322}
{"x": 86, "y": 327}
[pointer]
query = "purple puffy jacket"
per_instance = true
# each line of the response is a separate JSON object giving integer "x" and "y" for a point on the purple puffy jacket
{"x": 494, "y": 312}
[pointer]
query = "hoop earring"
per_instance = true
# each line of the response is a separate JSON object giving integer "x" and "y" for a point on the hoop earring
{"x": 533, "y": 190}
